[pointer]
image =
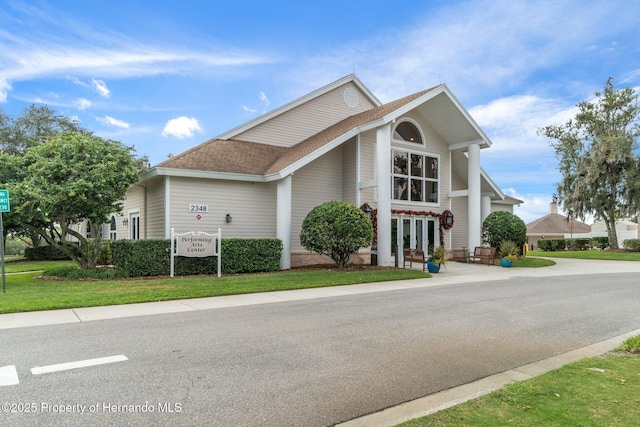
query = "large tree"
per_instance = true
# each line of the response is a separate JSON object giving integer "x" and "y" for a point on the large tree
{"x": 70, "y": 178}
{"x": 34, "y": 125}
{"x": 597, "y": 158}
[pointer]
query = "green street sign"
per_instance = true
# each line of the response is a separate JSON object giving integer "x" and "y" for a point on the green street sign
{"x": 4, "y": 201}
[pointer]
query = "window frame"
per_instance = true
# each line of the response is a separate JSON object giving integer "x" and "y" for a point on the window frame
{"x": 425, "y": 181}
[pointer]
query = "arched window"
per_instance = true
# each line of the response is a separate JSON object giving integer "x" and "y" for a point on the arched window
{"x": 407, "y": 132}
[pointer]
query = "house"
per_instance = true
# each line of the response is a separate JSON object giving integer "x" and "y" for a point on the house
{"x": 554, "y": 226}
{"x": 625, "y": 230}
{"x": 414, "y": 161}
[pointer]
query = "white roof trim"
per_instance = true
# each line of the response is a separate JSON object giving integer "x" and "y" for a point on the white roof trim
{"x": 493, "y": 185}
{"x": 293, "y": 104}
{"x": 194, "y": 173}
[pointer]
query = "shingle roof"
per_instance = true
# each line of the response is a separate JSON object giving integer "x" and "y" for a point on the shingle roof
{"x": 232, "y": 156}
{"x": 554, "y": 223}
{"x": 227, "y": 156}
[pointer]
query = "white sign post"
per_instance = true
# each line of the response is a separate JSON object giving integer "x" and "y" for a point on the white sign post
{"x": 195, "y": 244}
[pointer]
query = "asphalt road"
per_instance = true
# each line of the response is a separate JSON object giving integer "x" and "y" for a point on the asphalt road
{"x": 305, "y": 363}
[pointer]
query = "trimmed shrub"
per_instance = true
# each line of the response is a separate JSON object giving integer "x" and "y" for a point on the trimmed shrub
{"x": 503, "y": 225}
{"x": 632, "y": 245}
{"x": 337, "y": 229}
{"x": 600, "y": 242}
{"x": 45, "y": 253}
{"x": 135, "y": 258}
{"x": 578, "y": 244}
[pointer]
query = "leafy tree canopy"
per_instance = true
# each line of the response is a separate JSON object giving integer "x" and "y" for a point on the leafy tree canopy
{"x": 70, "y": 178}
{"x": 597, "y": 157}
{"x": 502, "y": 226}
{"x": 337, "y": 229}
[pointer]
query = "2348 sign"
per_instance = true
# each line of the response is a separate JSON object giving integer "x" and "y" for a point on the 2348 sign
{"x": 194, "y": 207}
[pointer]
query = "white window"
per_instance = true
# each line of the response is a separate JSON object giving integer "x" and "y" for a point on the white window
{"x": 113, "y": 228}
{"x": 134, "y": 225}
{"x": 415, "y": 177}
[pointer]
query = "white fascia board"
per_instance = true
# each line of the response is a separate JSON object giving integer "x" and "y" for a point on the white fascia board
{"x": 323, "y": 150}
{"x": 466, "y": 144}
{"x": 458, "y": 193}
{"x": 413, "y": 104}
{"x": 466, "y": 114}
{"x": 293, "y": 104}
{"x": 493, "y": 185}
{"x": 192, "y": 173}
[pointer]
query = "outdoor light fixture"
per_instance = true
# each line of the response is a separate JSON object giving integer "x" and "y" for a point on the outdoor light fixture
{"x": 125, "y": 222}
{"x": 228, "y": 218}
{"x": 448, "y": 219}
{"x": 367, "y": 209}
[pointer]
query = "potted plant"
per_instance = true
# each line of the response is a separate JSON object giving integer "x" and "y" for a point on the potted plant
{"x": 508, "y": 253}
{"x": 436, "y": 259}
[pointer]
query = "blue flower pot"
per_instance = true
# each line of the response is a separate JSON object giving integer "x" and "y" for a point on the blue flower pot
{"x": 432, "y": 267}
{"x": 505, "y": 262}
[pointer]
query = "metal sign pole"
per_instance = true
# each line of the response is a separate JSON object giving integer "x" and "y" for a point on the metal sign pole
{"x": 4, "y": 279}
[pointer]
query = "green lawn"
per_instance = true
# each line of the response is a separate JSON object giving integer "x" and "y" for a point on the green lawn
{"x": 592, "y": 254}
{"x": 25, "y": 292}
{"x": 599, "y": 391}
{"x": 596, "y": 391}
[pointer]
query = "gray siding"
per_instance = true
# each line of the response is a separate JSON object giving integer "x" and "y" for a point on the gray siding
{"x": 296, "y": 125}
{"x": 314, "y": 184}
{"x": 252, "y": 207}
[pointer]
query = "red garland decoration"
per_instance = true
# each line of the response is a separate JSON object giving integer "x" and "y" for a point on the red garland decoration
{"x": 441, "y": 221}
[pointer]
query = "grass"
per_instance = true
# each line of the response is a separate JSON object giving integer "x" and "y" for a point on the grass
{"x": 596, "y": 391}
{"x": 25, "y": 292}
{"x": 591, "y": 254}
{"x": 529, "y": 262}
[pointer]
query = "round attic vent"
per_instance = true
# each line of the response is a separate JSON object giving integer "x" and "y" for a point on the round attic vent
{"x": 351, "y": 97}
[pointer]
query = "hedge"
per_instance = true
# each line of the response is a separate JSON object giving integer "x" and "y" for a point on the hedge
{"x": 632, "y": 245}
{"x": 135, "y": 258}
{"x": 45, "y": 253}
{"x": 552, "y": 245}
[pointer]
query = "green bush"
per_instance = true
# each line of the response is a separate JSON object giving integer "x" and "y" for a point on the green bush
{"x": 337, "y": 229}
{"x": 45, "y": 253}
{"x": 503, "y": 225}
{"x": 552, "y": 245}
{"x": 600, "y": 242}
{"x": 134, "y": 258}
{"x": 14, "y": 246}
{"x": 75, "y": 273}
{"x": 632, "y": 245}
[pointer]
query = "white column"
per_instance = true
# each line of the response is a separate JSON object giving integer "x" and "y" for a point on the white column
{"x": 383, "y": 183}
{"x": 283, "y": 220}
{"x": 485, "y": 209}
{"x": 474, "y": 196}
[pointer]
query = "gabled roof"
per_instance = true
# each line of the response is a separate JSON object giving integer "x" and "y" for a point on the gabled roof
{"x": 293, "y": 104}
{"x": 249, "y": 158}
{"x": 554, "y": 223}
{"x": 224, "y": 157}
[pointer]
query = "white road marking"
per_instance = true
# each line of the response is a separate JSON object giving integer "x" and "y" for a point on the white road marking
{"x": 8, "y": 375}
{"x": 75, "y": 365}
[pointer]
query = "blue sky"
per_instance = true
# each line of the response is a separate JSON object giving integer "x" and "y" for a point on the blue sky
{"x": 166, "y": 76}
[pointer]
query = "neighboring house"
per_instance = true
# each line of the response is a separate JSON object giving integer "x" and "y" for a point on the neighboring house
{"x": 625, "y": 229}
{"x": 554, "y": 226}
{"x": 410, "y": 160}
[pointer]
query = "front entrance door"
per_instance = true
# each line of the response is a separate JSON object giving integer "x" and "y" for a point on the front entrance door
{"x": 414, "y": 232}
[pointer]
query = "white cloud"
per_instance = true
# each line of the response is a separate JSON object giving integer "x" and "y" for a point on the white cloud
{"x": 181, "y": 127}
{"x": 5, "y": 87}
{"x": 111, "y": 122}
{"x": 101, "y": 87}
{"x": 248, "y": 110}
{"x": 82, "y": 103}
{"x": 264, "y": 99}
{"x": 72, "y": 48}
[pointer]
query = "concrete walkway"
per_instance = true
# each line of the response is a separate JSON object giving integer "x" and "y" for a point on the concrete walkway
{"x": 452, "y": 273}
